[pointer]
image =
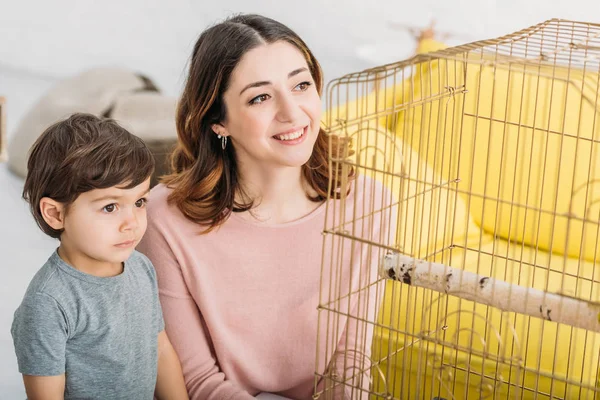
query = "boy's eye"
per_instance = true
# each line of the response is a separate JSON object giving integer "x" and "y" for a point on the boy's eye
{"x": 259, "y": 99}
{"x": 109, "y": 208}
{"x": 140, "y": 203}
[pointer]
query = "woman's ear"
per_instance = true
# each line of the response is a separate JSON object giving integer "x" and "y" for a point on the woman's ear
{"x": 53, "y": 213}
{"x": 219, "y": 129}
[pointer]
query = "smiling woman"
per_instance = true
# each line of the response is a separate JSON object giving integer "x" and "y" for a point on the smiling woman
{"x": 254, "y": 82}
{"x": 272, "y": 123}
{"x": 240, "y": 302}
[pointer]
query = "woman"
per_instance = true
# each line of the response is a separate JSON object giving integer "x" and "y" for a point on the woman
{"x": 235, "y": 232}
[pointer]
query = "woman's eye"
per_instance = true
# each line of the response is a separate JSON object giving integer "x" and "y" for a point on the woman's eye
{"x": 109, "y": 208}
{"x": 140, "y": 203}
{"x": 303, "y": 86}
{"x": 259, "y": 99}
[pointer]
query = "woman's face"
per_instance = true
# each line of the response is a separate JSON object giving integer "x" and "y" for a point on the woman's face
{"x": 273, "y": 108}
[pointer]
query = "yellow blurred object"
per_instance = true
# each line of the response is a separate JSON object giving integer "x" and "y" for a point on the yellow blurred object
{"x": 527, "y": 134}
{"x": 427, "y": 223}
{"x": 379, "y": 149}
{"x": 429, "y": 45}
{"x": 505, "y": 338}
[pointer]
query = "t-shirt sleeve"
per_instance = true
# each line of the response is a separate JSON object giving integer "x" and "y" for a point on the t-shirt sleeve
{"x": 156, "y": 306}
{"x": 40, "y": 332}
{"x": 160, "y": 322}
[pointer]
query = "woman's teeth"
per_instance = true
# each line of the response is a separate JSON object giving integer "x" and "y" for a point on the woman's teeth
{"x": 290, "y": 136}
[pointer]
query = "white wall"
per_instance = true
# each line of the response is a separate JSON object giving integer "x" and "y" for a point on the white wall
{"x": 42, "y": 41}
{"x": 59, "y": 37}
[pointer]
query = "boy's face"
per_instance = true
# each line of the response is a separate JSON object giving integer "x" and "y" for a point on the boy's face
{"x": 102, "y": 227}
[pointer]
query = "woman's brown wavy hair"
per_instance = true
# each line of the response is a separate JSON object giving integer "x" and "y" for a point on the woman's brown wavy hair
{"x": 204, "y": 177}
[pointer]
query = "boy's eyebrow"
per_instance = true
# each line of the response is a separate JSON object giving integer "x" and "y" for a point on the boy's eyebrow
{"x": 107, "y": 197}
{"x": 265, "y": 83}
{"x": 116, "y": 197}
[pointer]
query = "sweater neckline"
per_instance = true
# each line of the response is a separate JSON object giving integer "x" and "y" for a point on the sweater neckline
{"x": 305, "y": 218}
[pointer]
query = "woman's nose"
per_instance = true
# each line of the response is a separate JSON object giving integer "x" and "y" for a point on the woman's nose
{"x": 289, "y": 109}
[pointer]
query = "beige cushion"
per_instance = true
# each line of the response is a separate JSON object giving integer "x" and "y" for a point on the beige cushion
{"x": 93, "y": 91}
{"x": 151, "y": 116}
{"x": 148, "y": 115}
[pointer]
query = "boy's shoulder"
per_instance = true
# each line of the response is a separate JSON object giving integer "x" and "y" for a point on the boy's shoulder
{"x": 66, "y": 285}
{"x": 71, "y": 291}
{"x": 140, "y": 259}
{"x": 46, "y": 296}
{"x": 140, "y": 262}
{"x": 47, "y": 279}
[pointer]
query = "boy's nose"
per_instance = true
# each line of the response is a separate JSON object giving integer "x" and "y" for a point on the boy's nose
{"x": 130, "y": 221}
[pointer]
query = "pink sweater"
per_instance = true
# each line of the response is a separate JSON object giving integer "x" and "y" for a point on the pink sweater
{"x": 240, "y": 303}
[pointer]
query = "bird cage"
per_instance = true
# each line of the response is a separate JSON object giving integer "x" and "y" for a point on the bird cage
{"x": 488, "y": 285}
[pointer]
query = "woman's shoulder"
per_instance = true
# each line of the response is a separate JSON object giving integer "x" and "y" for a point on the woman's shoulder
{"x": 370, "y": 196}
{"x": 160, "y": 192}
{"x": 366, "y": 188}
{"x": 165, "y": 215}
{"x": 372, "y": 200}
{"x": 158, "y": 206}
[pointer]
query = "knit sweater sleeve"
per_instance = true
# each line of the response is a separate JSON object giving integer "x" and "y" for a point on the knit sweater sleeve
{"x": 184, "y": 323}
{"x": 352, "y": 359}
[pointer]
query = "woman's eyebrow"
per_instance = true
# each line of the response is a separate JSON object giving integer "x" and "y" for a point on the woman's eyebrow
{"x": 255, "y": 84}
{"x": 297, "y": 71}
{"x": 265, "y": 83}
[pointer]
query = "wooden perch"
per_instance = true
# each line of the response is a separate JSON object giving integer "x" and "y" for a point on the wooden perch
{"x": 492, "y": 292}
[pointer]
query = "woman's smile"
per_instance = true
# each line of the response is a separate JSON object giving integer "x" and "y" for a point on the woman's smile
{"x": 292, "y": 137}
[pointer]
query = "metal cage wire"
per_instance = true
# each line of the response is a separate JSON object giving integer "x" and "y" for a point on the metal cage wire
{"x": 483, "y": 281}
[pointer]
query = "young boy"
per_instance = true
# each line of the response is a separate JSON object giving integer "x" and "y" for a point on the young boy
{"x": 90, "y": 325}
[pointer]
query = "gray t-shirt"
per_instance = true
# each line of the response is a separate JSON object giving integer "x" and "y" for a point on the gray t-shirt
{"x": 101, "y": 332}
